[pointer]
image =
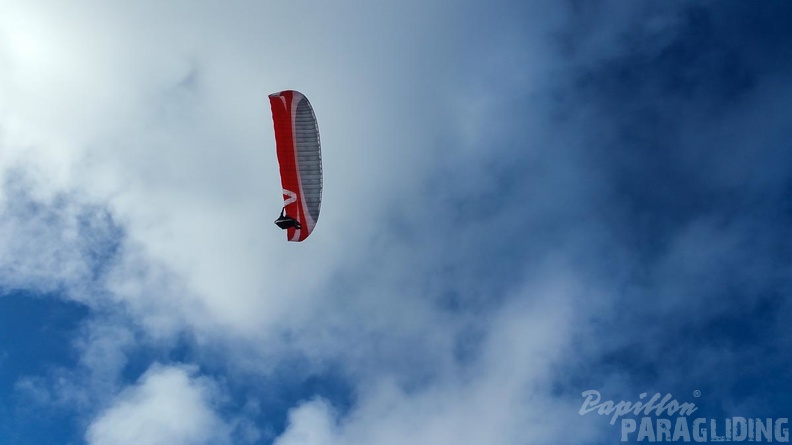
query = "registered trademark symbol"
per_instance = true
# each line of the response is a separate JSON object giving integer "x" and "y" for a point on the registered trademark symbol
{"x": 697, "y": 393}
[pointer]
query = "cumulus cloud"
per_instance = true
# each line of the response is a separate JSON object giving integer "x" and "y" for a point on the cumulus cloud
{"x": 312, "y": 423}
{"x": 168, "y": 405}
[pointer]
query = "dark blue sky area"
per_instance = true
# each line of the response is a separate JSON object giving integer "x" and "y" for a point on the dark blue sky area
{"x": 36, "y": 334}
{"x": 695, "y": 158}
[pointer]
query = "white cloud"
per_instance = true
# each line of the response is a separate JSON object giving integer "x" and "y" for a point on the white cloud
{"x": 169, "y": 405}
{"x": 157, "y": 112}
{"x": 43, "y": 244}
{"x": 503, "y": 396}
{"x": 312, "y": 423}
{"x": 169, "y": 130}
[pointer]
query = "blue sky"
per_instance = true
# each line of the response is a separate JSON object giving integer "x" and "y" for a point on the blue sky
{"x": 522, "y": 202}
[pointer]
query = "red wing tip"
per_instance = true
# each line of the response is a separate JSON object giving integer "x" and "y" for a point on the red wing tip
{"x": 280, "y": 93}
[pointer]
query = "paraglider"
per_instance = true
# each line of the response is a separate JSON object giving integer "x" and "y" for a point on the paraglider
{"x": 300, "y": 160}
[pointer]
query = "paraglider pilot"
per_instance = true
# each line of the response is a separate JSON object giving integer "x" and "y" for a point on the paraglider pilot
{"x": 286, "y": 222}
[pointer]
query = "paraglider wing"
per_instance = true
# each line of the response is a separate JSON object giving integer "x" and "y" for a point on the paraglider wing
{"x": 300, "y": 159}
